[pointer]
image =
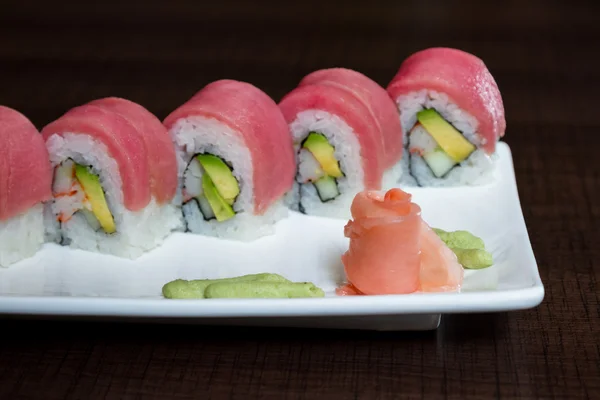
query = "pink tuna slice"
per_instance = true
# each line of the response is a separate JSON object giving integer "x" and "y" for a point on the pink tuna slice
{"x": 374, "y": 97}
{"x": 25, "y": 172}
{"x": 161, "y": 153}
{"x": 464, "y": 78}
{"x": 258, "y": 121}
{"x": 346, "y": 106}
{"x": 124, "y": 145}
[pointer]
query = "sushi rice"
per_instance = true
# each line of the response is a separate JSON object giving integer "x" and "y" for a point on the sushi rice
{"x": 477, "y": 169}
{"x": 196, "y": 135}
{"x": 136, "y": 232}
{"x": 304, "y": 196}
{"x": 21, "y": 236}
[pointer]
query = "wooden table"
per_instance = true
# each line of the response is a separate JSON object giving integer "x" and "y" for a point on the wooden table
{"x": 545, "y": 56}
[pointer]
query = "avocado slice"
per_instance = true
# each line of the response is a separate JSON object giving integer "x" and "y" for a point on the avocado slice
{"x": 221, "y": 177}
{"x": 320, "y": 148}
{"x": 450, "y": 140}
{"x": 221, "y": 208}
{"x": 95, "y": 194}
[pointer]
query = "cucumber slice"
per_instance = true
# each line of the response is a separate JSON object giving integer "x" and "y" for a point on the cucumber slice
{"x": 327, "y": 188}
{"x": 205, "y": 208}
{"x": 439, "y": 162}
{"x": 91, "y": 219}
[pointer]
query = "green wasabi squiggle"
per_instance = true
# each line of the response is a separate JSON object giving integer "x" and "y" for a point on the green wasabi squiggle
{"x": 469, "y": 249}
{"x": 195, "y": 289}
{"x": 265, "y": 290}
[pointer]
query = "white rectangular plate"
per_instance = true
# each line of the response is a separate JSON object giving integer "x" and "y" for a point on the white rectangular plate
{"x": 63, "y": 282}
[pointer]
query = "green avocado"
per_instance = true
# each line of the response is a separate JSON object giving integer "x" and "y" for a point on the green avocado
{"x": 450, "y": 140}
{"x": 221, "y": 208}
{"x": 94, "y": 193}
{"x": 320, "y": 148}
{"x": 221, "y": 176}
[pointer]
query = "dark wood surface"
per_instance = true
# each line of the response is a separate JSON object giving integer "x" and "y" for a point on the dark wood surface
{"x": 545, "y": 56}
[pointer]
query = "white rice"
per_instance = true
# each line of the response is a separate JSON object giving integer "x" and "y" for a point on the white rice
{"x": 136, "y": 232}
{"x": 21, "y": 236}
{"x": 51, "y": 225}
{"x": 244, "y": 226}
{"x": 406, "y": 179}
{"x": 475, "y": 170}
{"x": 194, "y": 135}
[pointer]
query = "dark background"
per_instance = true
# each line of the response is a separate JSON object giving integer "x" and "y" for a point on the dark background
{"x": 545, "y": 56}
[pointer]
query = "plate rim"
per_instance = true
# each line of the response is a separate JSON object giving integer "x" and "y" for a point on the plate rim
{"x": 429, "y": 303}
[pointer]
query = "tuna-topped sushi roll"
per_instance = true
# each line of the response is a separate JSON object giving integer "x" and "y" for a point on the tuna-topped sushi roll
{"x": 25, "y": 180}
{"x": 114, "y": 180}
{"x": 235, "y": 161}
{"x": 347, "y": 138}
{"x": 452, "y": 113}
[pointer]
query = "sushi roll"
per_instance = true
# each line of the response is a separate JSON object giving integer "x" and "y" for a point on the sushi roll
{"x": 25, "y": 180}
{"x": 347, "y": 138}
{"x": 452, "y": 114}
{"x": 114, "y": 179}
{"x": 235, "y": 161}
